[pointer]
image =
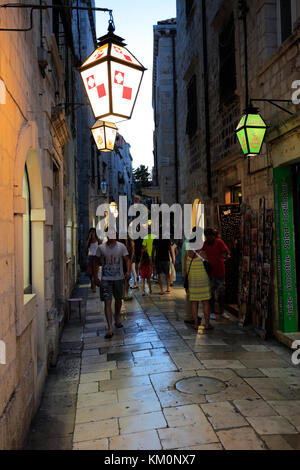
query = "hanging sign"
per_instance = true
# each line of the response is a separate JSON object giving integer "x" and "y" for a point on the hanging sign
{"x": 285, "y": 250}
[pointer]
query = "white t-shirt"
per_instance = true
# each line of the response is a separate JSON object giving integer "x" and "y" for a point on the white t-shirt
{"x": 112, "y": 258}
{"x": 93, "y": 249}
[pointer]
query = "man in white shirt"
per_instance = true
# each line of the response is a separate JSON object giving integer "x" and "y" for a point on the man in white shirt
{"x": 112, "y": 254}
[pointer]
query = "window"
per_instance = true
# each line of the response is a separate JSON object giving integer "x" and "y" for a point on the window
{"x": 227, "y": 61}
{"x": 27, "y": 235}
{"x": 287, "y": 15}
{"x": 192, "y": 114}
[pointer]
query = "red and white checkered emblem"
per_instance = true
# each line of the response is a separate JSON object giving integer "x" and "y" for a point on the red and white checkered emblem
{"x": 101, "y": 91}
{"x": 120, "y": 52}
{"x": 98, "y": 55}
{"x": 91, "y": 82}
{"x": 127, "y": 93}
{"x": 119, "y": 78}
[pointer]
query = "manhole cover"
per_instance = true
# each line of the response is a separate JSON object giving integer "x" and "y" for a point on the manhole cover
{"x": 202, "y": 385}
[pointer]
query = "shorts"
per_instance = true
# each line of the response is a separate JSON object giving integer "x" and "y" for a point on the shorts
{"x": 92, "y": 260}
{"x": 163, "y": 267}
{"x": 108, "y": 289}
{"x": 217, "y": 286}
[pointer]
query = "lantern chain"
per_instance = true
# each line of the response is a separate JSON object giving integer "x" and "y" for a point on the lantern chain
{"x": 111, "y": 23}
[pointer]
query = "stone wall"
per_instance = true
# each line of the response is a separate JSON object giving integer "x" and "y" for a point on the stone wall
{"x": 273, "y": 66}
{"x": 37, "y": 129}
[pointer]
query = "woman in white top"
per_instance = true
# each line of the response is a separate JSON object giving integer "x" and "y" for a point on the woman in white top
{"x": 92, "y": 244}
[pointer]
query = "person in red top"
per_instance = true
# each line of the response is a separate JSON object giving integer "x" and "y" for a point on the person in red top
{"x": 216, "y": 252}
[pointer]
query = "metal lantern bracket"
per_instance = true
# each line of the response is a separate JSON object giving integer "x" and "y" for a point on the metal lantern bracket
{"x": 45, "y": 7}
{"x": 274, "y": 103}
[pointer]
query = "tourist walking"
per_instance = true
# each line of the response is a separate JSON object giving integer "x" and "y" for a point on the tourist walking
{"x": 92, "y": 244}
{"x": 145, "y": 270}
{"x": 216, "y": 252}
{"x": 163, "y": 252}
{"x": 136, "y": 261}
{"x": 174, "y": 250}
{"x": 112, "y": 255}
{"x": 198, "y": 285}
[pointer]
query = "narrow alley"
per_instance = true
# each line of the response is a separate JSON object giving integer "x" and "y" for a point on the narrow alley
{"x": 159, "y": 385}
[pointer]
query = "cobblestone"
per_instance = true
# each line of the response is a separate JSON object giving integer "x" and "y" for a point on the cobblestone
{"x": 125, "y": 388}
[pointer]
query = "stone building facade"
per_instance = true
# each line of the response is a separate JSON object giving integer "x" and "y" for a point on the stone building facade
{"x": 210, "y": 60}
{"x": 164, "y": 107}
{"x": 39, "y": 196}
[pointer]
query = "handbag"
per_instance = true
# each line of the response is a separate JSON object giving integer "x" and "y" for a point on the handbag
{"x": 206, "y": 264}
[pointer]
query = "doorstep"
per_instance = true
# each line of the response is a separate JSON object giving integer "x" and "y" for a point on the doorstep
{"x": 287, "y": 338}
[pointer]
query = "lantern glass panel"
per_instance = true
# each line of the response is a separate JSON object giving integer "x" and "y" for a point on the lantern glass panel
{"x": 125, "y": 85}
{"x": 111, "y": 135}
{"x": 255, "y": 120}
{"x": 95, "y": 80}
{"x": 123, "y": 54}
{"x": 242, "y": 139}
{"x": 98, "y": 54}
{"x": 99, "y": 137}
{"x": 255, "y": 139}
{"x": 242, "y": 122}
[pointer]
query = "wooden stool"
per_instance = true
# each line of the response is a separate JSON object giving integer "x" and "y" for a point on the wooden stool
{"x": 72, "y": 301}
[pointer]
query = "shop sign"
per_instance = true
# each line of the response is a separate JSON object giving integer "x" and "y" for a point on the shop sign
{"x": 285, "y": 250}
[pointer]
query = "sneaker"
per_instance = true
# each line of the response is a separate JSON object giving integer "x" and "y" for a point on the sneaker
{"x": 212, "y": 316}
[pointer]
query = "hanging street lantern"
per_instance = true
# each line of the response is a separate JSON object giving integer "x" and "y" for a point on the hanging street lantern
{"x": 112, "y": 77}
{"x": 251, "y": 132}
{"x": 104, "y": 134}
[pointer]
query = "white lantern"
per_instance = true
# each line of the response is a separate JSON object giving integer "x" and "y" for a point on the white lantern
{"x": 112, "y": 77}
{"x": 104, "y": 134}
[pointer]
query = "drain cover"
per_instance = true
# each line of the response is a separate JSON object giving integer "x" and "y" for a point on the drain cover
{"x": 202, "y": 385}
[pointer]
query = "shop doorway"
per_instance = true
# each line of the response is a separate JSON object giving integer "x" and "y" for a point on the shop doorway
{"x": 296, "y": 203}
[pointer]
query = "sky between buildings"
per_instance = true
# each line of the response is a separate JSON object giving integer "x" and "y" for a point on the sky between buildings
{"x": 134, "y": 20}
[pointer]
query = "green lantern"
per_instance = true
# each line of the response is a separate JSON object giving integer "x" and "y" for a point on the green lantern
{"x": 251, "y": 132}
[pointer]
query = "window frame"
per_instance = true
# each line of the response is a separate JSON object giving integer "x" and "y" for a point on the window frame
{"x": 227, "y": 96}
{"x": 294, "y": 12}
{"x": 28, "y": 288}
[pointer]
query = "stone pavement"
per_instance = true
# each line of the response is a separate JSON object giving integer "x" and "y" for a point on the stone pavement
{"x": 158, "y": 384}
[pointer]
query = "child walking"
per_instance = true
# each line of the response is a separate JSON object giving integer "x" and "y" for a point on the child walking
{"x": 145, "y": 270}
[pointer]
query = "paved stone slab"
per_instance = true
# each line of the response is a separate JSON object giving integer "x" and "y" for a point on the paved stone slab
{"x": 87, "y": 388}
{"x": 223, "y": 415}
{"x": 240, "y": 439}
{"x": 254, "y": 408}
{"x": 187, "y": 415}
{"x": 272, "y": 425}
{"x": 184, "y": 436}
{"x": 140, "y": 423}
{"x": 138, "y": 441}
{"x": 94, "y": 377}
{"x": 99, "y": 444}
{"x": 288, "y": 409}
{"x": 276, "y": 442}
{"x": 124, "y": 382}
{"x": 145, "y": 392}
{"x": 186, "y": 361}
{"x": 95, "y": 430}
{"x": 95, "y": 399}
{"x": 118, "y": 410}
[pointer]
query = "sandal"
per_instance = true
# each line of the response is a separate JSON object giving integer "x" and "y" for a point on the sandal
{"x": 119, "y": 325}
{"x": 108, "y": 335}
{"x": 209, "y": 327}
